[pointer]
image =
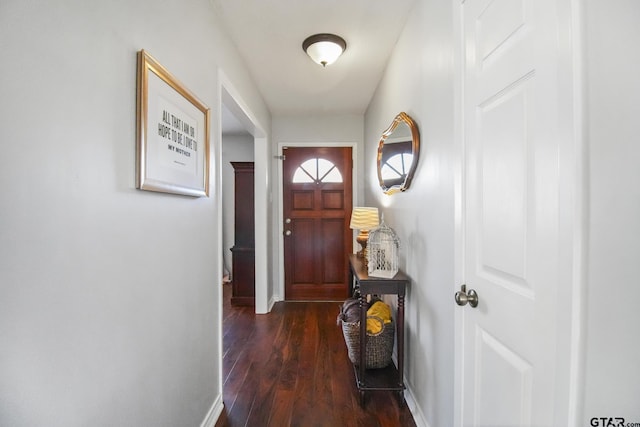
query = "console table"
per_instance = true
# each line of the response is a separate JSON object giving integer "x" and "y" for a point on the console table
{"x": 388, "y": 378}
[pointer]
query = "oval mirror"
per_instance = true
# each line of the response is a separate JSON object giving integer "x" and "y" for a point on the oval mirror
{"x": 398, "y": 154}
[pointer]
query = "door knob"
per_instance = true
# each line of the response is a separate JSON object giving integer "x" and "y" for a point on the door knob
{"x": 287, "y": 221}
{"x": 463, "y": 297}
{"x": 287, "y": 233}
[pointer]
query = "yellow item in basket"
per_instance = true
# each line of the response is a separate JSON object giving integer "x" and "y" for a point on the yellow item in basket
{"x": 381, "y": 310}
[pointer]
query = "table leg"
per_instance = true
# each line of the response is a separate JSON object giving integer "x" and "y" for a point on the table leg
{"x": 400, "y": 330}
{"x": 363, "y": 341}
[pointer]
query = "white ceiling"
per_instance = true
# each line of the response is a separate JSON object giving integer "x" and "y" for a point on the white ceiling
{"x": 269, "y": 35}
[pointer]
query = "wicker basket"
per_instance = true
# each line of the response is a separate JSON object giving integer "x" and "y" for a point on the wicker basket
{"x": 379, "y": 347}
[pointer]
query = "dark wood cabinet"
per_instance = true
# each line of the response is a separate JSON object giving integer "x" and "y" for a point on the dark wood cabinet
{"x": 243, "y": 250}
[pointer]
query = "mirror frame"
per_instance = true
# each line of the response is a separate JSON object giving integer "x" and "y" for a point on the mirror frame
{"x": 415, "y": 146}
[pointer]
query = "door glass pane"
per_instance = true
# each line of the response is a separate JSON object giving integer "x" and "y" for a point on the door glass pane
{"x": 333, "y": 176}
{"x": 302, "y": 176}
{"x": 317, "y": 170}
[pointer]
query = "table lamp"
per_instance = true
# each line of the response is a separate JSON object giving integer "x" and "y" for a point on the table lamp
{"x": 364, "y": 219}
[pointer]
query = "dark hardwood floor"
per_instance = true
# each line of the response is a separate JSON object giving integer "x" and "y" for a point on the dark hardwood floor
{"x": 290, "y": 368}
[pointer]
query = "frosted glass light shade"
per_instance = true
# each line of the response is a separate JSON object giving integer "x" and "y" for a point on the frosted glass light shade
{"x": 324, "y": 49}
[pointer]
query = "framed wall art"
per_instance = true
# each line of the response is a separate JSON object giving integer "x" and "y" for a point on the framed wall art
{"x": 172, "y": 152}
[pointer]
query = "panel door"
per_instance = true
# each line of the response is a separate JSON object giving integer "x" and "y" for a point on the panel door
{"x": 317, "y": 207}
{"x": 511, "y": 213}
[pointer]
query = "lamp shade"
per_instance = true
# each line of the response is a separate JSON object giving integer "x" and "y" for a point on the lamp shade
{"x": 324, "y": 49}
{"x": 364, "y": 218}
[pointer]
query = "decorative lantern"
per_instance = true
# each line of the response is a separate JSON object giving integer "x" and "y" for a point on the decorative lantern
{"x": 382, "y": 251}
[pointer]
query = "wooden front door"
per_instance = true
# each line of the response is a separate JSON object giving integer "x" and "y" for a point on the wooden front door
{"x": 317, "y": 207}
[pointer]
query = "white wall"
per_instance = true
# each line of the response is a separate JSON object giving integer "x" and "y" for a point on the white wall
{"x": 612, "y": 380}
{"x": 109, "y": 296}
{"x": 419, "y": 81}
{"x": 343, "y": 128}
{"x": 312, "y": 130}
{"x": 235, "y": 148}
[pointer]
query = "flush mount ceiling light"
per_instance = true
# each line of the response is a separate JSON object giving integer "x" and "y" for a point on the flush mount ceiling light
{"x": 324, "y": 48}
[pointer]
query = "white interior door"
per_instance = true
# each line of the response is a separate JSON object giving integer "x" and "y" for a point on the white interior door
{"x": 509, "y": 367}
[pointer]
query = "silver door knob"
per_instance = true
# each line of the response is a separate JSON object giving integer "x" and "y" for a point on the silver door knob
{"x": 463, "y": 297}
{"x": 287, "y": 221}
{"x": 287, "y": 233}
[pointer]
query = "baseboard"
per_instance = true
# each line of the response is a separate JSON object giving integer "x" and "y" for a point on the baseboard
{"x": 416, "y": 411}
{"x": 214, "y": 413}
{"x": 274, "y": 299}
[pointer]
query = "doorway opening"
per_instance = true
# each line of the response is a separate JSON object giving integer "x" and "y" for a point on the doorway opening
{"x": 236, "y": 119}
{"x": 237, "y": 146}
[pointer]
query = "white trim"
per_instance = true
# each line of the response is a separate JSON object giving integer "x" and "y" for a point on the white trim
{"x": 230, "y": 97}
{"x": 279, "y": 290}
{"x": 232, "y": 100}
{"x": 216, "y": 175}
{"x": 459, "y": 226}
{"x": 214, "y": 413}
{"x": 414, "y": 408}
{"x": 580, "y": 221}
{"x": 262, "y": 190}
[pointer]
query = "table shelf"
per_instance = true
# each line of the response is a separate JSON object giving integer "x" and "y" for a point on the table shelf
{"x": 389, "y": 378}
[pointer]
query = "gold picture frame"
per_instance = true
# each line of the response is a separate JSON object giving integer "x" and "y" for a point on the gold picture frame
{"x": 172, "y": 150}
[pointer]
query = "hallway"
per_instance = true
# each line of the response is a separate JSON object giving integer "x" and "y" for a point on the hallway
{"x": 290, "y": 368}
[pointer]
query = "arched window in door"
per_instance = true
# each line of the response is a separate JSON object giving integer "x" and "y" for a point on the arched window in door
{"x": 317, "y": 170}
